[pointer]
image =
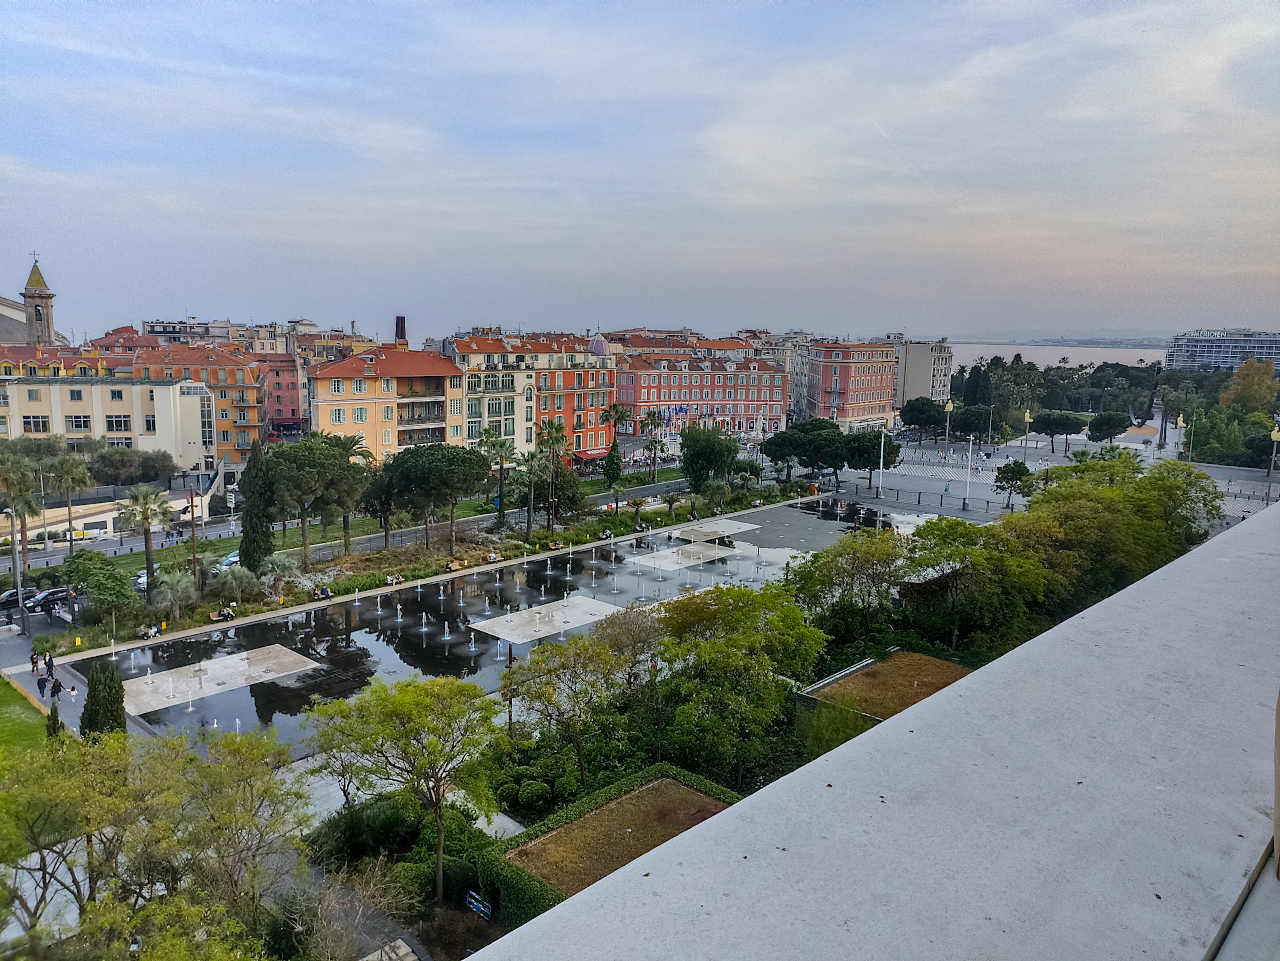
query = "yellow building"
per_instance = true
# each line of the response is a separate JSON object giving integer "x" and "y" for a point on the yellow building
{"x": 390, "y": 396}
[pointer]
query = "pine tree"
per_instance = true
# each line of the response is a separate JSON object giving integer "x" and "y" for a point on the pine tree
{"x": 258, "y": 491}
{"x": 103, "y": 703}
{"x": 612, "y": 464}
{"x": 52, "y": 724}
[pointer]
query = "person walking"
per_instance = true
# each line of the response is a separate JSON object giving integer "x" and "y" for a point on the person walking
{"x": 48, "y": 664}
{"x": 35, "y": 663}
{"x": 41, "y": 681}
{"x": 55, "y": 689}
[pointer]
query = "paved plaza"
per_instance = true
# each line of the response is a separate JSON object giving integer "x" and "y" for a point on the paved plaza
{"x": 714, "y": 530}
{"x": 142, "y": 695}
{"x": 535, "y": 622}
{"x": 678, "y": 558}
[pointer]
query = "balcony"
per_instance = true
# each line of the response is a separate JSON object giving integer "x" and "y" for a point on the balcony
{"x": 421, "y": 413}
{"x": 422, "y": 435}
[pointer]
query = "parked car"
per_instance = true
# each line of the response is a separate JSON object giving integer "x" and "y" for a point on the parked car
{"x": 47, "y": 598}
{"x": 9, "y": 599}
{"x": 231, "y": 560}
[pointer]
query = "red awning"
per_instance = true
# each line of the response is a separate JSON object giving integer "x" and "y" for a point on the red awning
{"x": 591, "y": 454}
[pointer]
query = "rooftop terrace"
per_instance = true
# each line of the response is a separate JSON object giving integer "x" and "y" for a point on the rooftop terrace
{"x": 1103, "y": 792}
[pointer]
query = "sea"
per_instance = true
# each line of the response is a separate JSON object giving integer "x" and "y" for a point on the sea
{"x": 1052, "y": 354}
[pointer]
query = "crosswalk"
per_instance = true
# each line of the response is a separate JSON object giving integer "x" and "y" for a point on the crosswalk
{"x": 984, "y": 475}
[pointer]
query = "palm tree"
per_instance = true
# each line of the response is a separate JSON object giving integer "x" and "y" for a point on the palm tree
{"x": 554, "y": 442}
{"x": 617, "y": 490}
{"x": 352, "y": 448}
{"x": 176, "y": 590}
{"x": 530, "y": 462}
{"x": 652, "y": 423}
{"x": 18, "y": 478}
{"x": 68, "y": 475}
{"x": 146, "y": 506}
{"x": 503, "y": 451}
{"x": 617, "y": 415}
{"x": 671, "y": 499}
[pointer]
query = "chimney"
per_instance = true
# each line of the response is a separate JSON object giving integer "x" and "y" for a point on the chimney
{"x": 401, "y": 335}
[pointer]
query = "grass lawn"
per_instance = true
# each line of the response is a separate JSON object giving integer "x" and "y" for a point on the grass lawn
{"x": 894, "y": 684}
{"x": 596, "y": 485}
{"x": 21, "y": 725}
{"x": 581, "y": 853}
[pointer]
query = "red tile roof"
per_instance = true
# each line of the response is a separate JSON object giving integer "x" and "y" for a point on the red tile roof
{"x": 389, "y": 362}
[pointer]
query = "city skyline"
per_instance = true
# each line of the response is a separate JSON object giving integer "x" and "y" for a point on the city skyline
{"x": 974, "y": 170}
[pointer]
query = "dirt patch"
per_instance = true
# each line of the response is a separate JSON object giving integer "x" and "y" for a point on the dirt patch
{"x": 894, "y": 684}
{"x": 452, "y": 934}
{"x": 581, "y": 853}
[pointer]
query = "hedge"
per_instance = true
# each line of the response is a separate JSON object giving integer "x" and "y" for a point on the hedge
{"x": 520, "y": 896}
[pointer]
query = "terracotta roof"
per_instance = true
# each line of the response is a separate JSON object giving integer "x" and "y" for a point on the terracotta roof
{"x": 731, "y": 343}
{"x": 522, "y": 344}
{"x": 650, "y": 362}
{"x": 190, "y": 356}
{"x": 389, "y": 363}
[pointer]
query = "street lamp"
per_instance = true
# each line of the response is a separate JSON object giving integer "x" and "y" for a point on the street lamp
{"x": 949, "y": 408}
{"x": 968, "y": 475}
{"x": 880, "y": 480}
{"x": 1026, "y": 419}
{"x": 1275, "y": 439}
{"x": 17, "y": 570}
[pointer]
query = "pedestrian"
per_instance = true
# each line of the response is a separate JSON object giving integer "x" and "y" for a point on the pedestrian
{"x": 55, "y": 689}
{"x": 35, "y": 662}
{"x": 48, "y": 664}
{"x": 41, "y": 681}
{"x": 72, "y": 693}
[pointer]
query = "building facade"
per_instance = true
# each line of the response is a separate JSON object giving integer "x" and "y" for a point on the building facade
{"x": 744, "y": 397}
{"x": 514, "y": 382}
{"x": 850, "y": 383}
{"x": 1226, "y": 348}
{"x": 288, "y": 406}
{"x": 923, "y": 369}
{"x": 391, "y": 397}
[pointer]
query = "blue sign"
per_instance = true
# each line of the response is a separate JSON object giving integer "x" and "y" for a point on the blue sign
{"x": 479, "y": 905}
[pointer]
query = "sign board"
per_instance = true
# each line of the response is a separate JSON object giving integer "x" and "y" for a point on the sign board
{"x": 479, "y": 905}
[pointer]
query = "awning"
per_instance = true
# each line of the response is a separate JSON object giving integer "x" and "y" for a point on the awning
{"x": 591, "y": 454}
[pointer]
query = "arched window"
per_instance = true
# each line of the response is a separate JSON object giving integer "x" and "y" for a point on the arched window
{"x": 528, "y": 395}
{"x": 491, "y": 382}
{"x": 508, "y": 381}
{"x": 83, "y": 371}
{"x": 7, "y": 370}
{"x": 473, "y": 382}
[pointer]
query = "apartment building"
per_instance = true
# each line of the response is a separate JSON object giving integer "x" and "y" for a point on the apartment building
{"x": 288, "y": 407}
{"x": 923, "y": 369}
{"x": 513, "y": 382}
{"x": 745, "y": 397}
{"x": 164, "y": 415}
{"x": 1221, "y": 347}
{"x": 849, "y": 383}
{"x": 390, "y": 396}
{"x": 318, "y": 347}
{"x": 124, "y": 340}
{"x": 237, "y": 381}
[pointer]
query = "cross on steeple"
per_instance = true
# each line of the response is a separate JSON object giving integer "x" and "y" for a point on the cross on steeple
{"x": 35, "y": 256}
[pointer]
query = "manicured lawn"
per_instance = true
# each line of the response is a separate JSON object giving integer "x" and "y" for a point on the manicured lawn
{"x": 894, "y": 684}
{"x": 21, "y": 725}
{"x": 581, "y": 853}
{"x": 596, "y": 485}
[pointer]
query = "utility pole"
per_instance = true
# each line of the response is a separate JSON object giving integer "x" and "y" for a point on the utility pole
{"x": 880, "y": 478}
{"x": 191, "y": 511}
{"x": 968, "y": 475}
{"x": 1026, "y": 419}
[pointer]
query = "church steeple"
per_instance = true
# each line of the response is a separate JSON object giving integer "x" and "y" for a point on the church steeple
{"x": 37, "y": 298}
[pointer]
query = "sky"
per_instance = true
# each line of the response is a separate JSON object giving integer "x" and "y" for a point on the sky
{"x": 984, "y": 169}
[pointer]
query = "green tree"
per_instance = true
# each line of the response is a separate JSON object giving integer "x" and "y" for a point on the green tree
{"x": 146, "y": 507}
{"x": 863, "y": 452}
{"x": 426, "y": 737}
{"x": 118, "y": 466}
{"x": 502, "y": 451}
{"x": 238, "y": 583}
{"x": 616, "y": 414}
{"x": 652, "y": 424}
{"x": 453, "y": 473}
{"x": 784, "y": 447}
{"x": 671, "y": 499}
{"x": 1013, "y": 477}
{"x": 257, "y": 489}
{"x": 530, "y": 464}
{"x": 849, "y": 587}
{"x": 923, "y": 414}
{"x": 349, "y": 477}
{"x": 1107, "y": 426}
{"x": 1052, "y": 423}
{"x": 21, "y": 487}
{"x": 67, "y": 476}
{"x": 53, "y": 723}
{"x": 561, "y": 684}
{"x": 553, "y": 442}
{"x": 825, "y": 449}
{"x": 380, "y": 500}
{"x": 103, "y": 703}
{"x": 612, "y": 464}
{"x": 705, "y": 453}
{"x": 175, "y": 590}
{"x": 305, "y": 477}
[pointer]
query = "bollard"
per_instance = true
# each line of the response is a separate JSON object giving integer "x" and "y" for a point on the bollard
{"x": 919, "y": 494}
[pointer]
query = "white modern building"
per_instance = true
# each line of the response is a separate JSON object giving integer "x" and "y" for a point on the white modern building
{"x": 924, "y": 369}
{"x": 1221, "y": 347}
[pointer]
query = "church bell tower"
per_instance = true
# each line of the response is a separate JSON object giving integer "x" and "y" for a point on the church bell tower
{"x": 37, "y": 298}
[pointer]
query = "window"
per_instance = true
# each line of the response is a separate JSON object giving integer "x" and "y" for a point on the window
{"x": 528, "y": 414}
{"x": 35, "y": 425}
{"x": 224, "y": 413}
{"x": 117, "y": 395}
{"x": 358, "y": 385}
{"x": 118, "y": 423}
{"x": 79, "y": 424}
{"x": 455, "y": 407}
{"x": 473, "y": 383}
{"x": 338, "y": 415}
{"x": 495, "y": 407}
{"x": 388, "y": 385}
{"x": 33, "y": 395}
{"x": 119, "y": 441}
{"x": 386, "y": 437}
{"x": 491, "y": 382}
{"x": 149, "y": 423}
{"x": 508, "y": 381}
{"x": 509, "y": 427}
{"x": 336, "y": 386}
{"x": 224, "y": 437}
{"x": 359, "y": 415}
{"x": 455, "y": 430}
{"x": 388, "y": 412}
{"x": 7, "y": 370}
{"x": 577, "y": 438}
{"x": 240, "y": 376}
{"x": 473, "y": 430}
{"x": 528, "y": 435}
{"x": 455, "y": 383}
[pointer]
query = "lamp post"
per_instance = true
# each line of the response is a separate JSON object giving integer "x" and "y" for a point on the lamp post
{"x": 880, "y": 476}
{"x": 949, "y": 408}
{"x": 17, "y": 570}
{"x": 968, "y": 476}
{"x": 191, "y": 514}
{"x": 1026, "y": 419}
{"x": 1275, "y": 440}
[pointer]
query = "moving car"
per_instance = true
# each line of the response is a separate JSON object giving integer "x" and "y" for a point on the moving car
{"x": 47, "y": 598}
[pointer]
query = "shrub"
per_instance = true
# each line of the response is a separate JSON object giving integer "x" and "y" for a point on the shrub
{"x": 508, "y": 796}
{"x": 534, "y": 795}
{"x": 524, "y": 772}
{"x": 381, "y": 825}
{"x": 414, "y": 881}
{"x": 567, "y": 787}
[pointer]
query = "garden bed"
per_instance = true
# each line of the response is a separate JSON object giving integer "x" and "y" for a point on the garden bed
{"x": 894, "y": 684}
{"x": 584, "y": 851}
